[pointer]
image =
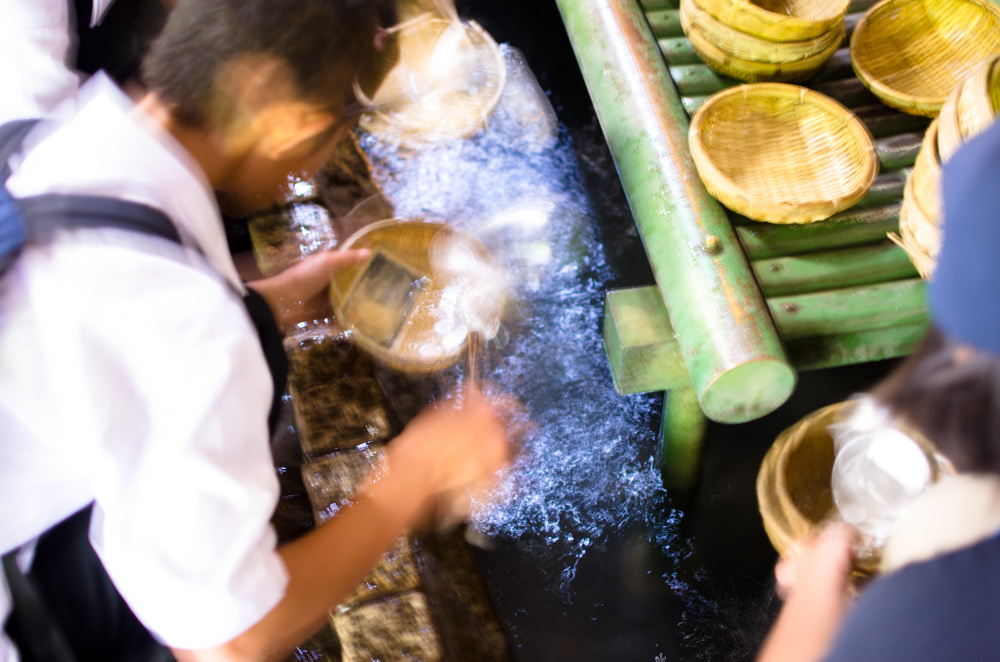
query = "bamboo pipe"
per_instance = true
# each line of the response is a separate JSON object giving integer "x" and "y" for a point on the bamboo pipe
{"x": 734, "y": 357}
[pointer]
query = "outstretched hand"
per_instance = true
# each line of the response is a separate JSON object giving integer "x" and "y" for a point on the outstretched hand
{"x": 455, "y": 450}
{"x": 819, "y": 566}
{"x": 299, "y": 292}
{"x": 813, "y": 580}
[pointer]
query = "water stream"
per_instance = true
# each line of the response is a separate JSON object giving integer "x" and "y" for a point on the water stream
{"x": 585, "y": 473}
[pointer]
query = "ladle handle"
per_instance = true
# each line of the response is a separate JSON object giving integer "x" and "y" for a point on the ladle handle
{"x": 474, "y": 345}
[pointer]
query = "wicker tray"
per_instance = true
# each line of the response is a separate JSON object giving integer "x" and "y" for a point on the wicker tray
{"x": 919, "y": 234}
{"x": 751, "y": 71}
{"x": 949, "y": 130}
{"x": 781, "y": 153}
{"x": 926, "y": 176}
{"x": 979, "y": 100}
{"x": 912, "y": 53}
{"x": 397, "y": 303}
{"x": 794, "y": 494}
{"x": 448, "y": 80}
{"x": 779, "y": 20}
{"x": 922, "y": 215}
{"x": 750, "y": 47}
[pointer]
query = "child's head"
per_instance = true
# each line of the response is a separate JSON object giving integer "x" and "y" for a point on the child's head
{"x": 951, "y": 393}
{"x": 203, "y": 64}
{"x": 265, "y": 87}
{"x": 950, "y": 387}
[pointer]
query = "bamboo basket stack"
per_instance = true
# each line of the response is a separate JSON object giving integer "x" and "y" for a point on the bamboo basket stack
{"x": 781, "y": 153}
{"x": 764, "y": 40}
{"x": 912, "y": 53}
{"x": 970, "y": 108}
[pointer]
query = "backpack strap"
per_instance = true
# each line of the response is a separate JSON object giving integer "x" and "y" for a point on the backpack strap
{"x": 30, "y": 623}
{"x": 11, "y": 136}
{"x": 44, "y": 214}
{"x": 35, "y": 219}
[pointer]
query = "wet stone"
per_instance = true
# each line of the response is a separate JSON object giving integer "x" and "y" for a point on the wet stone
{"x": 340, "y": 415}
{"x": 293, "y": 517}
{"x": 395, "y": 572}
{"x": 333, "y": 479}
{"x": 323, "y": 646}
{"x": 345, "y": 180}
{"x": 460, "y": 602}
{"x": 284, "y": 234}
{"x": 395, "y": 628}
{"x": 322, "y": 355}
{"x": 409, "y": 394}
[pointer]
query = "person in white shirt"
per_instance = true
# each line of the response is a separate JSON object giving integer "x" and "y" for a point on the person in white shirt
{"x": 133, "y": 379}
{"x": 39, "y": 42}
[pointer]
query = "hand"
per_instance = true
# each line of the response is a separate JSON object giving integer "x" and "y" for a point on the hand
{"x": 453, "y": 450}
{"x": 818, "y": 567}
{"x": 812, "y": 578}
{"x": 299, "y": 292}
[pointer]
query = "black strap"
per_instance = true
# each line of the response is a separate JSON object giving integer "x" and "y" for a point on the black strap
{"x": 11, "y": 136}
{"x": 44, "y": 214}
{"x": 35, "y": 219}
{"x": 37, "y": 635}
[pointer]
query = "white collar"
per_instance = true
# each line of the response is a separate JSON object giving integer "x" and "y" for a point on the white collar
{"x": 954, "y": 513}
{"x": 109, "y": 147}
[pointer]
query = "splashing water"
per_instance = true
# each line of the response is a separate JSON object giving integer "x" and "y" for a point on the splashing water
{"x": 587, "y": 468}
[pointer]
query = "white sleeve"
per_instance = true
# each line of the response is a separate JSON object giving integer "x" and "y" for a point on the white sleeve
{"x": 183, "y": 479}
{"x": 34, "y": 45}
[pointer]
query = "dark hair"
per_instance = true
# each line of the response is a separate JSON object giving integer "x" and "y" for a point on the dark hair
{"x": 951, "y": 393}
{"x": 323, "y": 42}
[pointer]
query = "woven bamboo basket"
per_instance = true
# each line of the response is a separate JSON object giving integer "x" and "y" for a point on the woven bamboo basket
{"x": 919, "y": 234}
{"x": 750, "y": 47}
{"x": 794, "y": 494}
{"x": 781, "y": 153}
{"x": 779, "y": 20}
{"x": 752, "y": 71}
{"x": 926, "y": 176}
{"x": 912, "y": 53}
{"x": 949, "y": 131}
{"x": 968, "y": 111}
{"x": 980, "y": 98}
{"x": 449, "y": 78}
{"x": 395, "y": 311}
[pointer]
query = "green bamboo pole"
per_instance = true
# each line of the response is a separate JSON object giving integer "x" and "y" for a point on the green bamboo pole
{"x": 635, "y": 322}
{"x": 828, "y": 270}
{"x": 898, "y": 151}
{"x": 850, "y": 310}
{"x": 682, "y": 432}
{"x": 729, "y": 345}
{"x": 694, "y": 80}
{"x": 838, "y": 66}
{"x": 847, "y": 91}
{"x": 883, "y": 121}
{"x": 677, "y": 51}
{"x": 692, "y": 104}
{"x": 820, "y": 352}
{"x": 651, "y": 5}
{"x": 850, "y": 228}
{"x": 665, "y": 23}
{"x": 886, "y": 189}
{"x": 867, "y": 323}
